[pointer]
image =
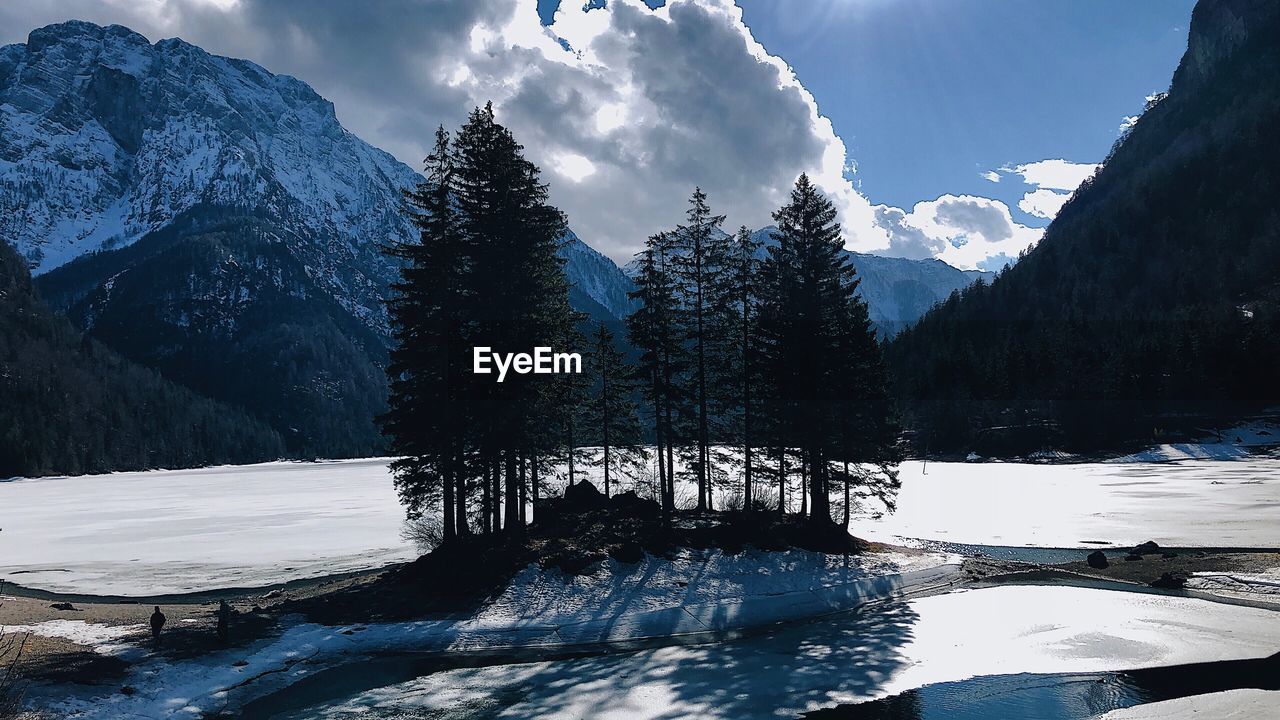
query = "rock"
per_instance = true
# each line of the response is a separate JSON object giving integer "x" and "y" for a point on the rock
{"x": 63, "y": 606}
{"x": 273, "y": 594}
{"x": 582, "y": 497}
{"x": 627, "y": 552}
{"x": 632, "y": 505}
{"x": 1131, "y": 557}
{"x": 1098, "y": 559}
{"x": 1175, "y": 580}
{"x": 128, "y": 690}
{"x": 1168, "y": 555}
{"x": 240, "y": 663}
{"x": 1146, "y": 548}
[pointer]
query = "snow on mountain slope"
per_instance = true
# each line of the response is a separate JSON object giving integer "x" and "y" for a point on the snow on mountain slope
{"x": 105, "y": 137}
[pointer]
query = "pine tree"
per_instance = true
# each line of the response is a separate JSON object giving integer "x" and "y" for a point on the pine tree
{"x": 611, "y": 411}
{"x": 521, "y": 299}
{"x": 485, "y": 271}
{"x": 815, "y": 338}
{"x": 698, "y": 252}
{"x": 427, "y": 395}
{"x": 738, "y": 294}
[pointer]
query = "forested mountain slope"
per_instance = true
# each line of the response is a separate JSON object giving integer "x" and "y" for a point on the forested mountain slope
{"x": 69, "y": 405}
{"x": 1152, "y": 304}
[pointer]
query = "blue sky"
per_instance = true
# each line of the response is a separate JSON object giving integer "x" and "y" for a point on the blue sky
{"x": 626, "y": 108}
{"x": 928, "y": 94}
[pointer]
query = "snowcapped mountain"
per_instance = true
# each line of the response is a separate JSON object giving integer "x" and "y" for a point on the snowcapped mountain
{"x": 216, "y": 222}
{"x": 105, "y": 137}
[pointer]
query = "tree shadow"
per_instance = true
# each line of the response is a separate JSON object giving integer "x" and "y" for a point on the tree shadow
{"x": 785, "y": 670}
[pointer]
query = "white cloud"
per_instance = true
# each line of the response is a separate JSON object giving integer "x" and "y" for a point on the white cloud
{"x": 627, "y": 108}
{"x": 1054, "y": 174}
{"x": 573, "y": 166}
{"x": 991, "y": 175}
{"x": 1043, "y": 203}
{"x": 965, "y": 231}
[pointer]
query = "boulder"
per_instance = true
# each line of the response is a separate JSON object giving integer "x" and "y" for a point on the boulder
{"x": 1131, "y": 557}
{"x": 1146, "y": 548}
{"x": 632, "y": 505}
{"x": 583, "y": 497}
{"x": 1175, "y": 580}
{"x": 63, "y": 606}
{"x": 1098, "y": 559}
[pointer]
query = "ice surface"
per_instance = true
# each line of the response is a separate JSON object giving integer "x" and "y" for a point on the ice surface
{"x": 1247, "y": 704}
{"x": 186, "y": 530}
{"x": 189, "y": 530}
{"x": 892, "y": 647}
{"x": 1202, "y": 503}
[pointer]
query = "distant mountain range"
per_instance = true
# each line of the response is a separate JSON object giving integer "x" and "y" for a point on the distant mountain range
{"x": 215, "y": 222}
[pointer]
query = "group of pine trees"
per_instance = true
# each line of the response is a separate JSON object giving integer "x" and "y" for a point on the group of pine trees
{"x": 757, "y": 364}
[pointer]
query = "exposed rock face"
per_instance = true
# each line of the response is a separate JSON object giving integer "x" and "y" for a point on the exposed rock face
{"x": 1098, "y": 560}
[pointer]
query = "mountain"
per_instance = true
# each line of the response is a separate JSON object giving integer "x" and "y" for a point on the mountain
{"x": 1151, "y": 306}
{"x": 897, "y": 290}
{"x": 215, "y": 221}
{"x": 72, "y": 406}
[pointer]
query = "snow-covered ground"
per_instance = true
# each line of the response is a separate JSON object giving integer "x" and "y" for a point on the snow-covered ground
{"x": 1203, "y": 503}
{"x": 898, "y": 646}
{"x": 188, "y": 530}
{"x": 696, "y": 594}
{"x": 1247, "y": 704}
{"x": 173, "y": 531}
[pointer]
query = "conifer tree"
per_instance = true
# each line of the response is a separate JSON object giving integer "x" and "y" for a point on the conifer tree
{"x": 522, "y": 295}
{"x": 817, "y": 346}
{"x": 698, "y": 252}
{"x": 655, "y": 329}
{"x": 427, "y": 404}
{"x": 738, "y": 296}
{"x": 611, "y": 411}
{"x": 484, "y": 272}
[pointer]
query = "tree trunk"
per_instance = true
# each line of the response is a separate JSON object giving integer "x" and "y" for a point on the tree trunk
{"x": 524, "y": 490}
{"x": 782, "y": 481}
{"x": 804, "y": 482}
{"x": 846, "y": 495}
{"x": 496, "y": 464}
{"x": 606, "y": 422}
{"x": 572, "y": 450}
{"x": 460, "y": 496}
{"x": 447, "y": 511}
{"x": 486, "y": 498}
{"x": 512, "y": 509}
{"x": 703, "y": 489}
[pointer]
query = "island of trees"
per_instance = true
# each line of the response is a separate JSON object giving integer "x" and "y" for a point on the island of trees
{"x": 751, "y": 377}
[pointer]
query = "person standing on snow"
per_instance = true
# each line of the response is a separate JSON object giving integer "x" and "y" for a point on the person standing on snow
{"x": 157, "y": 623}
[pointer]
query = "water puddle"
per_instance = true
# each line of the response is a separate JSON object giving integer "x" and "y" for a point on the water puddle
{"x": 1060, "y": 696}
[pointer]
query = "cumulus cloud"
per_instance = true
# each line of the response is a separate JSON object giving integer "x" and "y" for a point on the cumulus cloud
{"x": 965, "y": 231}
{"x": 1052, "y": 181}
{"x": 625, "y": 107}
{"x": 1043, "y": 203}
{"x": 991, "y": 175}
{"x": 1054, "y": 174}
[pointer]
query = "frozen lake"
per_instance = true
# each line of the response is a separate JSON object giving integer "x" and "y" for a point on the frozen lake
{"x": 896, "y": 646}
{"x": 189, "y": 530}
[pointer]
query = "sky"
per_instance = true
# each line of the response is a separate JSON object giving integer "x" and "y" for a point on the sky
{"x": 952, "y": 129}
